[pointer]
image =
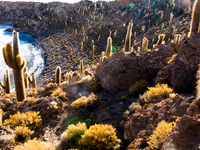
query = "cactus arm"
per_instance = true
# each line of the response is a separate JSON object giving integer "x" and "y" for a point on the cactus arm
{"x": 33, "y": 81}
{"x": 8, "y": 55}
{"x": 1, "y": 84}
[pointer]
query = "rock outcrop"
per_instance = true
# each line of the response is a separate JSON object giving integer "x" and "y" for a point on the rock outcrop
{"x": 120, "y": 71}
{"x": 139, "y": 126}
{"x": 181, "y": 73}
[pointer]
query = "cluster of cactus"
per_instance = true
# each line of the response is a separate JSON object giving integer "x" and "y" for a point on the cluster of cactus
{"x": 14, "y": 61}
{"x": 6, "y": 83}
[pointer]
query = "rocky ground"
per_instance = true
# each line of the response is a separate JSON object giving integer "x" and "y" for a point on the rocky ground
{"x": 60, "y": 30}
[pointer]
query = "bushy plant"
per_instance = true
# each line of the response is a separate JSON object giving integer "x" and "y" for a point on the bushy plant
{"x": 32, "y": 93}
{"x": 29, "y": 119}
{"x": 80, "y": 102}
{"x": 58, "y": 93}
{"x": 160, "y": 90}
{"x": 23, "y": 133}
{"x": 91, "y": 100}
{"x": 30, "y": 101}
{"x": 35, "y": 145}
{"x": 94, "y": 85}
{"x": 160, "y": 133}
{"x": 138, "y": 87}
{"x": 76, "y": 131}
{"x": 98, "y": 137}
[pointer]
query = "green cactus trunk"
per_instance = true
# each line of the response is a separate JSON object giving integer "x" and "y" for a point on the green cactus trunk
{"x": 194, "y": 27}
{"x": 14, "y": 61}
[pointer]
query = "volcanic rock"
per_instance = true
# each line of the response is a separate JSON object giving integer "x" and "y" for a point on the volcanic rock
{"x": 180, "y": 74}
{"x": 119, "y": 72}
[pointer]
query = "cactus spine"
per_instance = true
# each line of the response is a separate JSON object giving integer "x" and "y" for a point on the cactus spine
{"x": 58, "y": 75}
{"x": 33, "y": 81}
{"x": 109, "y": 47}
{"x": 127, "y": 45}
{"x": 6, "y": 83}
{"x": 14, "y": 61}
{"x": 194, "y": 27}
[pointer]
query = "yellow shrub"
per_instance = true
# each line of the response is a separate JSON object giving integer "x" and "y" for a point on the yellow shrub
{"x": 30, "y": 101}
{"x": 99, "y": 137}
{"x": 58, "y": 93}
{"x": 23, "y": 133}
{"x": 32, "y": 93}
{"x": 94, "y": 85}
{"x": 35, "y": 145}
{"x": 91, "y": 100}
{"x": 29, "y": 119}
{"x": 161, "y": 90}
{"x": 139, "y": 87}
{"x": 76, "y": 131}
{"x": 160, "y": 133}
{"x": 80, "y": 102}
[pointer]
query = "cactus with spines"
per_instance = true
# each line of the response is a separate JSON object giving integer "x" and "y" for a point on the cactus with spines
{"x": 58, "y": 75}
{"x": 26, "y": 78}
{"x": 145, "y": 44}
{"x": 14, "y": 61}
{"x": 127, "y": 45}
{"x": 103, "y": 57}
{"x": 109, "y": 47}
{"x": 194, "y": 26}
{"x": 81, "y": 67}
{"x": 33, "y": 81}
{"x": 6, "y": 83}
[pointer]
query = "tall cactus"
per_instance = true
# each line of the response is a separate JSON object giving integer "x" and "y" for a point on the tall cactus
{"x": 26, "y": 78}
{"x": 6, "y": 83}
{"x": 33, "y": 81}
{"x": 127, "y": 45}
{"x": 81, "y": 67}
{"x": 58, "y": 75}
{"x": 109, "y": 47}
{"x": 14, "y": 61}
{"x": 194, "y": 27}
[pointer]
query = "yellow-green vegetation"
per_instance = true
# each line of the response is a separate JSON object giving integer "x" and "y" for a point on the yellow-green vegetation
{"x": 80, "y": 102}
{"x": 134, "y": 107}
{"x": 76, "y": 131}
{"x": 161, "y": 132}
{"x": 94, "y": 85}
{"x": 159, "y": 91}
{"x": 23, "y": 133}
{"x": 32, "y": 93}
{"x": 83, "y": 101}
{"x": 98, "y": 136}
{"x": 138, "y": 87}
{"x": 58, "y": 93}
{"x": 30, "y": 101}
{"x": 29, "y": 119}
{"x": 35, "y": 145}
